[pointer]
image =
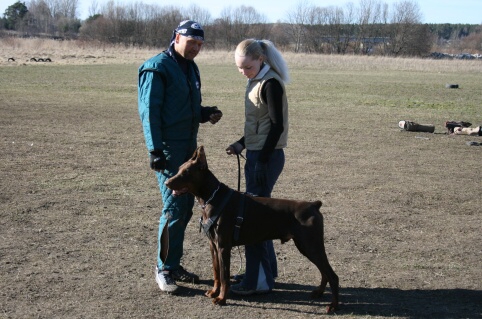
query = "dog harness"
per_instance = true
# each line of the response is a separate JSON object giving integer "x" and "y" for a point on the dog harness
{"x": 206, "y": 227}
{"x": 239, "y": 218}
{"x": 218, "y": 211}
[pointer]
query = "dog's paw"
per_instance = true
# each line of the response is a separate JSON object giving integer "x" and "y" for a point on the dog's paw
{"x": 219, "y": 301}
{"x": 213, "y": 293}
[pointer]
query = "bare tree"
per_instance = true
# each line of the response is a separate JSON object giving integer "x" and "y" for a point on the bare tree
{"x": 279, "y": 35}
{"x": 54, "y": 17}
{"x": 198, "y": 14}
{"x": 68, "y": 8}
{"x": 329, "y": 29}
{"x": 223, "y": 28}
{"x": 369, "y": 15}
{"x": 93, "y": 8}
{"x": 307, "y": 28}
{"x": 244, "y": 21}
{"x": 96, "y": 28}
{"x": 316, "y": 31}
{"x": 346, "y": 28}
{"x": 168, "y": 19}
{"x": 340, "y": 28}
{"x": 405, "y": 30}
{"x": 40, "y": 17}
{"x": 237, "y": 24}
{"x": 298, "y": 18}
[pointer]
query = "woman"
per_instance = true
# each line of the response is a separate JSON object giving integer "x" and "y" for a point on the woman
{"x": 265, "y": 136}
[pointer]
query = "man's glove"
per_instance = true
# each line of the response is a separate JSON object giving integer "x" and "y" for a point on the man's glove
{"x": 211, "y": 114}
{"x": 158, "y": 160}
{"x": 261, "y": 173}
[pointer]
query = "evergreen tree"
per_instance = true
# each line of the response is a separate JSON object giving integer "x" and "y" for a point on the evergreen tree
{"x": 13, "y": 16}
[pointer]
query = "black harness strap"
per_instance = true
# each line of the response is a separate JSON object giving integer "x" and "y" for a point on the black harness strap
{"x": 218, "y": 211}
{"x": 239, "y": 218}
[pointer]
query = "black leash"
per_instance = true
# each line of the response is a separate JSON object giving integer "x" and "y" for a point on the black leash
{"x": 238, "y": 220}
{"x": 239, "y": 170}
{"x": 239, "y": 173}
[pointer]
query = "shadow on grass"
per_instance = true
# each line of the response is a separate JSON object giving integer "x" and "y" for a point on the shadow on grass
{"x": 383, "y": 302}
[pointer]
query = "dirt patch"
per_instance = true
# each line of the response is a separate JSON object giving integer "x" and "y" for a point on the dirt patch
{"x": 79, "y": 206}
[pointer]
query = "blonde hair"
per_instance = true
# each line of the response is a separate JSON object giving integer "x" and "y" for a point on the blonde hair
{"x": 264, "y": 48}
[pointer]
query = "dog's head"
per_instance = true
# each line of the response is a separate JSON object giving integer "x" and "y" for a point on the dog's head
{"x": 189, "y": 178}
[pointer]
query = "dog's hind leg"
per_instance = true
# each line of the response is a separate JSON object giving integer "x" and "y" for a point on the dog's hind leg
{"x": 327, "y": 275}
{"x": 315, "y": 252}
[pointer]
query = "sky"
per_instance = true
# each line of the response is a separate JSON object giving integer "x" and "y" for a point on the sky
{"x": 433, "y": 11}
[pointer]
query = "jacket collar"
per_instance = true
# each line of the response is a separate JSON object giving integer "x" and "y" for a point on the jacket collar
{"x": 264, "y": 69}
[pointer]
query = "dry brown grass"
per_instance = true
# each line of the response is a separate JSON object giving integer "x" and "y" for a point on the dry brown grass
{"x": 82, "y": 52}
{"x": 70, "y": 52}
{"x": 79, "y": 205}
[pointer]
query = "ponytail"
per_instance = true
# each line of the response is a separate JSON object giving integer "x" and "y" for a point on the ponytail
{"x": 266, "y": 49}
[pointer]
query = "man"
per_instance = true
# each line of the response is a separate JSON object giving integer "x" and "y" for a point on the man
{"x": 169, "y": 99}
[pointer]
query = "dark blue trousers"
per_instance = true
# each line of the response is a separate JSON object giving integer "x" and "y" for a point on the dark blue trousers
{"x": 261, "y": 265}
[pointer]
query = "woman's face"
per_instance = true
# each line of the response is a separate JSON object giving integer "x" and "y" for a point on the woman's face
{"x": 247, "y": 66}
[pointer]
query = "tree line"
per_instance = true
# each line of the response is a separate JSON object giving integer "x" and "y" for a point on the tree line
{"x": 371, "y": 27}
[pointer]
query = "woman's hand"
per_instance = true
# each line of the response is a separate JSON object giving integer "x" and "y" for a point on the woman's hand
{"x": 235, "y": 148}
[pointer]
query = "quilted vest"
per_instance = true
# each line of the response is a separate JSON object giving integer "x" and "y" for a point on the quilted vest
{"x": 257, "y": 123}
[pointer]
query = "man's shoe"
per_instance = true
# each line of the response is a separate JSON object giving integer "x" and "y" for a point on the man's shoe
{"x": 166, "y": 282}
{"x": 181, "y": 274}
{"x": 239, "y": 289}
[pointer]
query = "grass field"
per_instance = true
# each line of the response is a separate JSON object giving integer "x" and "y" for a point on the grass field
{"x": 79, "y": 205}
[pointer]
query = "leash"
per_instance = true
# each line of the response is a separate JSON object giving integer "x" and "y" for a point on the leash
{"x": 239, "y": 171}
{"x": 240, "y": 269}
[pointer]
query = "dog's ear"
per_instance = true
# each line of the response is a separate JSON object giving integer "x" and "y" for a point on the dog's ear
{"x": 201, "y": 158}
{"x": 198, "y": 153}
{"x": 195, "y": 155}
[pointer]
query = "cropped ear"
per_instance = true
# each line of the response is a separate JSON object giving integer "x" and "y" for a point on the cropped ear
{"x": 201, "y": 157}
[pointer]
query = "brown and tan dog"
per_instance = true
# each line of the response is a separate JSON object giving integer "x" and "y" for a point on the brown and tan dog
{"x": 231, "y": 218}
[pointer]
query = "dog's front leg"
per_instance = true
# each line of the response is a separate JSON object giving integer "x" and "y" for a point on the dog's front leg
{"x": 214, "y": 292}
{"x": 224, "y": 255}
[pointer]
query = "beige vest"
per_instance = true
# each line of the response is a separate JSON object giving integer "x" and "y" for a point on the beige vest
{"x": 258, "y": 123}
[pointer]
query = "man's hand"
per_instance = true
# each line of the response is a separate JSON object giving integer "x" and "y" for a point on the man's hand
{"x": 158, "y": 160}
{"x": 261, "y": 173}
{"x": 211, "y": 114}
{"x": 215, "y": 116}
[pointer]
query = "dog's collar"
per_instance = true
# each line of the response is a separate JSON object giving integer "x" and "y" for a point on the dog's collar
{"x": 206, "y": 203}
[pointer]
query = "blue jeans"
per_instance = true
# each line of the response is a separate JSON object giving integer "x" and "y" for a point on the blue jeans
{"x": 176, "y": 211}
{"x": 261, "y": 265}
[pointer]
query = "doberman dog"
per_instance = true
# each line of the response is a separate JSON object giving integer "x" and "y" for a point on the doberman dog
{"x": 231, "y": 218}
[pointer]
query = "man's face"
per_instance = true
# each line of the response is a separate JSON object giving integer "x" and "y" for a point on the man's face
{"x": 187, "y": 47}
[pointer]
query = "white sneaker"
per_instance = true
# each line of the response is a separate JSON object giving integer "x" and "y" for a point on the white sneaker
{"x": 165, "y": 282}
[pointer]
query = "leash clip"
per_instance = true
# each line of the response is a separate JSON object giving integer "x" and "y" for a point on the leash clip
{"x": 239, "y": 221}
